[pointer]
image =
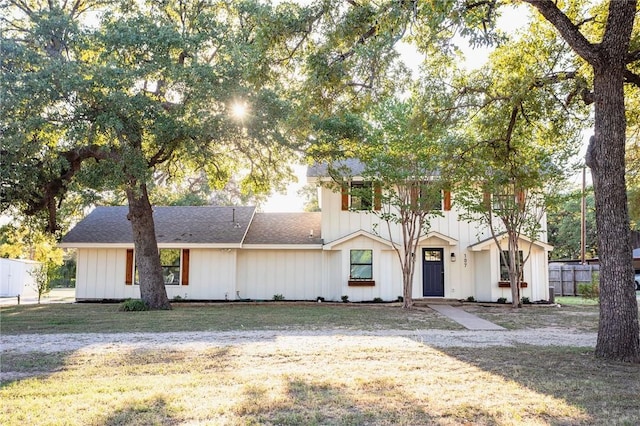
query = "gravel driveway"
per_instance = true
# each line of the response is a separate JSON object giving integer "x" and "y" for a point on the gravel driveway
{"x": 101, "y": 342}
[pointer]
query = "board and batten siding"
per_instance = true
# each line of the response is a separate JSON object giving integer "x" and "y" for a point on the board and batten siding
{"x": 100, "y": 274}
{"x": 534, "y": 274}
{"x": 212, "y": 275}
{"x": 294, "y": 274}
{"x": 386, "y": 271}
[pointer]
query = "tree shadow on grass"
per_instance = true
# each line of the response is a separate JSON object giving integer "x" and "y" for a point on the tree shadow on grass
{"x": 307, "y": 402}
{"x": 20, "y": 366}
{"x": 153, "y": 411}
{"x": 607, "y": 391}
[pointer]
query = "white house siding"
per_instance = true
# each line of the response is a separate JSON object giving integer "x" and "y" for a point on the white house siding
{"x": 294, "y": 274}
{"x": 386, "y": 271}
{"x": 212, "y": 275}
{"x": 100, "y": 274}
{"x": 332, "y": 275}
{"x": 459, "y": 277}
{"x": 485, "y": 270}
{"x": 488, "y": 274}
{"x": 540, "y": 268}
{"x": 337, "y": 223}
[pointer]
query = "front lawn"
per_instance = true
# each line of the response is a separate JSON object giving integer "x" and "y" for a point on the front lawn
{"x": 321, "y": 380}
{"x": 307, "y": 379}
{"x": 105, "y": 318}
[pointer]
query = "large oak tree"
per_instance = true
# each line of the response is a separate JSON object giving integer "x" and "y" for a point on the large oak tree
{"x": 611, "y": 50}
{"x": 107, "y": 94}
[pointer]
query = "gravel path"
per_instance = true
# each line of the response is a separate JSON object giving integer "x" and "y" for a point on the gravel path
{"x": 104, "y": 342}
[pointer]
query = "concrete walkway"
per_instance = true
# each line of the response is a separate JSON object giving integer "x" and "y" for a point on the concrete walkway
{"x": 467, "y": 320}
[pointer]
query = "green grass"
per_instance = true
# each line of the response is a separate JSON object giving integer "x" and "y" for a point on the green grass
{"x": 315, "y": 380}
{"x": 105, "y": 318}
{"x": 575, "y": 301}
{"x": 355, "y": 381}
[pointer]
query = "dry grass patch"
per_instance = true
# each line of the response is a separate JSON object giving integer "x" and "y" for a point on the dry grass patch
{"x": 321, "y": 380}
{"x": 577, "y": 317}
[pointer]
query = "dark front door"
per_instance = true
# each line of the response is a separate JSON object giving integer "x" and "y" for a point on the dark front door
{"x": 433, "y": 272}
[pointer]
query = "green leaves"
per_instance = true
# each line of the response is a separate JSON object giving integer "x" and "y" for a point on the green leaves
{"x": 148, "y": 86}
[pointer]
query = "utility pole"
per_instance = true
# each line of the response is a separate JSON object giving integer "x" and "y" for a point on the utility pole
{"x": 583, "y": 218}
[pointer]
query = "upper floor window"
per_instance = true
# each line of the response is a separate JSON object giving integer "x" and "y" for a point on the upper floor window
{"x": 361, "y": 195}
{"x": 426, "y": 197}
{"x": 505, "y": 201}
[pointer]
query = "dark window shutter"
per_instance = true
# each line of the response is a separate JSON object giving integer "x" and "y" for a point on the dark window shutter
{"x": 447, "y": 200}
{"x": 128, "y": 276}
{"x": 185, "y": 267}
{"x": 377, "y": 196}
{"x": 345, "y": 196}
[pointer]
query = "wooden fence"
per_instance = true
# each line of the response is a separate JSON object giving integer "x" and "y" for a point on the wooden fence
{"x": 564, "y": 279}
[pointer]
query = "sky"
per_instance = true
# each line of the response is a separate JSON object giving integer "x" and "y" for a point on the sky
{"x": 512, "y": 19}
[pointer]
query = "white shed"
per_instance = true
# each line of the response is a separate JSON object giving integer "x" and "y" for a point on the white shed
{"x": 16, "y": 279}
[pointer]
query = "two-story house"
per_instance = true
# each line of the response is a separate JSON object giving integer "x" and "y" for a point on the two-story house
{"x": 230, "y": 253}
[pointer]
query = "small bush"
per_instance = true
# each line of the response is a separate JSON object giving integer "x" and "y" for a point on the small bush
{"x": 345, "y": 298}
{"x": 471, "y": 299}
{"x": 277, "y": 297}
{"x": 131, "y": 305}
{"x": 377, "y": 300}
{"x": 177, "y": 298}
{"x": 319, "y": 299}
{"x": 400, "y": 299}
{"x": 526, "y": 301}
{"x": 502, "y": 300}
{"x": 589, "y": 291}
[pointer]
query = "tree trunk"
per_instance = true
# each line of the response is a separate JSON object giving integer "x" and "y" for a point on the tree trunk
{"x": 152, "y": 289}
{"x": 407, "y": 284}
{"x": 618, "y": 334}
{"x": 514, "y": 270}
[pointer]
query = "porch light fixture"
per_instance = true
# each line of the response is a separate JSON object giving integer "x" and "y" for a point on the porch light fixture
{"x": 453, "y": 257}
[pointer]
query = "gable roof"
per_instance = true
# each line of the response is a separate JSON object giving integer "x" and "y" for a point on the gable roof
{"x": 433, "y": 234}
{"x": 489, "y": 243}
{"x": 182, "y": 225}
{"x": 360, "y": 233}
{"x": 284, "y": 228}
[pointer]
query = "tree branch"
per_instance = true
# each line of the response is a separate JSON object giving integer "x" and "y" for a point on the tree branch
{"x": 57, "y": 186}
{"x": 633, "y": 56}
{"x": 632, "y": 78}
{"x": 568, "y": 30}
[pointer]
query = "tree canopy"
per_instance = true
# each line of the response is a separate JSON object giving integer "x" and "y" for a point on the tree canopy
{"x": 138, "y": 89}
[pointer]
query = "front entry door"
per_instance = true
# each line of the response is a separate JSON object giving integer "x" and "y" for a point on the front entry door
{"x": 433, "y": 272}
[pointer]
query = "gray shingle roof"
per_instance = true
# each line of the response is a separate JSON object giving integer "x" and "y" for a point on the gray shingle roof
{"x": 188, "y": 225}
{"x": 347, "y": 168}
{"x": 284, "y": 228}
